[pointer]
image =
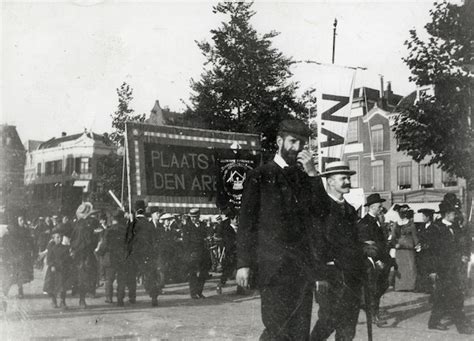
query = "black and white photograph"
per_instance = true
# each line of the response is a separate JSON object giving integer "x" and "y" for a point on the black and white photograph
{"x": 237, "y": 170}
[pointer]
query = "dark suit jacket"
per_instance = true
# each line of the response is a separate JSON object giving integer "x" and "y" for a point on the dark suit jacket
{"x": 276, "y": 219}
{"x": 369, "y": 229}
{"x": 337, "y": 241}
{"x": 448, "y": 252}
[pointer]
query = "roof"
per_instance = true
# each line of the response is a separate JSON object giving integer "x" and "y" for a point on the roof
{"x": 405, "y": 101}
{"x": 54, "y": 142}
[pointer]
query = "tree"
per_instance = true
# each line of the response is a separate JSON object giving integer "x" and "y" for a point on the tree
{"x": 109, "y": 177}
{"x": 438, "y": 127}
{"x": 123, "y": 113}
{"x": 245, "y": 85}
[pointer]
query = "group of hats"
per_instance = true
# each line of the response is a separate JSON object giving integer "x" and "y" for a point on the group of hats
{"x": 450, "y": 203}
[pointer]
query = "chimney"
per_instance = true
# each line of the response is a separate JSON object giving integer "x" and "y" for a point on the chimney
{"x": 63, "y": 134}
{"x": 381, "y": 87}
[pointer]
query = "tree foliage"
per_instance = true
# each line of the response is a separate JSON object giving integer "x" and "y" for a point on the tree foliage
{"x": 438, "y": 126}
{"x": 245, "y": 85}
{"x": 123, "y": 113}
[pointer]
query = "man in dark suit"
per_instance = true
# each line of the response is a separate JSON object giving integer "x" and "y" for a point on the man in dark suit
{"x": 279, "y": 202}
{"x": 197, "y": 253}
{"x": 446, "y": 272}
{"x": 377, "y": 251}
{"x": 142, "y": 254}
{"x": 427, "y": 234}
{"x": 338, "y": 248}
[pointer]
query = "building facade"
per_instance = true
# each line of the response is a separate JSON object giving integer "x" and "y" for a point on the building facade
{"x": 62, "y": 172}
{"x": 371, "y": 150}
{"x": 12, "y": 166}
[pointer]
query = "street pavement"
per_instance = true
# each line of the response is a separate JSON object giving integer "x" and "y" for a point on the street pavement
{"x": 218, "y": 317}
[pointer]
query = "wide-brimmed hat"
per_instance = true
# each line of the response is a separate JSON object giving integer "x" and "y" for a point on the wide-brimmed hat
{"x": 296, "y": 128}
{"x": 446, "y": 207}
{"x": 426, "y": 211}
{"x": 194, "y": 212}
{"x": 374, "y": 198}
{"x": 84, "y": 210}
{"x": 337, "y": 167}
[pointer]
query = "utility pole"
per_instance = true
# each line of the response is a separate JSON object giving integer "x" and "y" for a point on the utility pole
{"x": 334, "y": 40}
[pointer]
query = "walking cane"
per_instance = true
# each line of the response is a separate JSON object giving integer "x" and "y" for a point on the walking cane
{"x": 368, "y": 302}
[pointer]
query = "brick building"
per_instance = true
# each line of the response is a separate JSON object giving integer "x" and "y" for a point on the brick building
{"x": 61, "y": 172}
{"x": 12, "y": 165}
{"x": 371, "y": 150}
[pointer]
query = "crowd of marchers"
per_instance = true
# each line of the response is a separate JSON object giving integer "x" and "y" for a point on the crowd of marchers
{"x": 294, "y": 239}
{"x": 113, "y": 249}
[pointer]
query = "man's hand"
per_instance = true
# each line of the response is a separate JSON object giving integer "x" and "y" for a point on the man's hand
{"x": 380, "y": 265}
{"x": 53, "y": 269}
{"x": 305, "y": 158}
{"x": 433, "y": 277}
{"x": 321, "y": 287}
{"x": 242, "y": 277}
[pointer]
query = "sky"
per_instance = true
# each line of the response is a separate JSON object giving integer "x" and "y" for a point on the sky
{"x": 62, "y": 61}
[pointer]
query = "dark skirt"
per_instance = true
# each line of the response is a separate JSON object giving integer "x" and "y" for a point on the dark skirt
{"x": 56, "y": 282}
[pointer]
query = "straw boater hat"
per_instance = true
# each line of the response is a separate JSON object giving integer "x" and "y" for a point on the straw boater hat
{"x": 166, "y": 216}
{"x": 194, "y": 212}
{"x": 84, "y": 210}
{"x": 337, "y": 167}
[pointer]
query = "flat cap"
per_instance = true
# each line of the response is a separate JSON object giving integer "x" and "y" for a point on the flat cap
{"x": 296, "y": 128}
{"x": 194, "y": 212}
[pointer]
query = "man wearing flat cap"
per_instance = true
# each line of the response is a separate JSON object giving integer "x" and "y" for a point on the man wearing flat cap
{"x": 341, "y": 252}
{"x": 279, "y": 202}
{"x": 448, "y": 295}
{"x": 197, "y": 254}
{"x": 376, "y": 249}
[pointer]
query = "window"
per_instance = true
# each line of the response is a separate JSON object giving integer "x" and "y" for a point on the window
{"x": 404, "y": 176}
{"x": 353, "y": 131}
{"x": 85, "y": 165}
{"x": 77, "y": 165}
{"x": 354, "y": 165}
{"x": 69, "y": 165}
{"x": 376, "y": 132}
{"x": 38, "y": 169}
{"x": 426, "y": 176}
{"x": 448, "y": 180}
{"x": 377, "y": 176}
{"x": 48, "y": 168}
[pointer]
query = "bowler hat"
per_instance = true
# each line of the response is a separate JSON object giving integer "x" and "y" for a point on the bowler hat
{"x": 374, "y": 198}
{"x": 194, "y": 212}
{"x": 296, "y": 128}
{"x": 337, "y": 167}
{"x": 84, "y": 210}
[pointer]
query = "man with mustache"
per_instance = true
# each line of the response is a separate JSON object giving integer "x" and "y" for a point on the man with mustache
{"x": 337, "y": 246}
{"x": 279, "y": 202}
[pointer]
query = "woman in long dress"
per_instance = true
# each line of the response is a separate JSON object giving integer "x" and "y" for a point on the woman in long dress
{"x": 405, "y": 240}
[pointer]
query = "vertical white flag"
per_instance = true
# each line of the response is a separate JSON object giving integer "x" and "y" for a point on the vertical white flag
{"x": 334, "y": 101}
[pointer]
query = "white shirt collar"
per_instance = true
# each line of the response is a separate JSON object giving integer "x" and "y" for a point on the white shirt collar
{"x": 371, "y": 215}
{"x": 447, "y": 223}
{"x": 279, "y": 161}
{"x": 336, "y": 199}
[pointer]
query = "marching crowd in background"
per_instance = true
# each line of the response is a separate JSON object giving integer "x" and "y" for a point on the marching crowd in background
{"x": 96, "y": 249}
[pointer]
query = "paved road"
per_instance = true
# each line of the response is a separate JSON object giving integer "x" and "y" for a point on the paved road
{"x": 218, "y": 317}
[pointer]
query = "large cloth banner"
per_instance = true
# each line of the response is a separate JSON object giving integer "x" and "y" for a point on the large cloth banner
{"x": 334, "y": 87}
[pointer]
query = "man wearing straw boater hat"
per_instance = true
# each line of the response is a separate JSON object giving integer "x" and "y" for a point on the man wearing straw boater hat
{"x": 376, "y": 249}
{"x": 279, "y": 201}
{"x": 338, "y": 246}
